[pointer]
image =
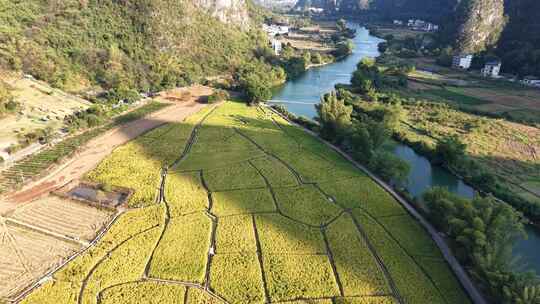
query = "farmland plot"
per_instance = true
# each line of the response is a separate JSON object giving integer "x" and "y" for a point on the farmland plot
{"x": 25, "y": 255}
{"x": 241, "y": 218}
{"x": 72, "y": 219}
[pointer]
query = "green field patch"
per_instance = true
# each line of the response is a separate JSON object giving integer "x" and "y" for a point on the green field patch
{"x": 307, "y": 204}
{"x": 280, "y": 235}
{"x": 235, "y": 234}
{"x": 445, "y": 280}
{"x": 299, "y": 276}
{"x": 144, "y": 292}
{"x": 185, "y": 193}
{"x": 412, "y": 283}
{"x": 368, "y": 300}
{"x": 456, "y": 95}
{"x": 238, "y": 176}
{"x": 126, "y": 263}
{"x": 411, "y": 235}
{"x": 314, "y": 168}
{"x": 362, "y": 192}
{"x": 356, "y": 266}
{"x": 277, "y": 174}
{"x": 242, "y": 202}
{"x": 203, "y": 160}
{"x": 237, "y": 278}
{"x": 212, "y": 139}
{"x": 182, "y": 252}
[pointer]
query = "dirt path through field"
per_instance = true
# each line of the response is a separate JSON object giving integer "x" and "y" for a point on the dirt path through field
{"x": 184, "y": 103}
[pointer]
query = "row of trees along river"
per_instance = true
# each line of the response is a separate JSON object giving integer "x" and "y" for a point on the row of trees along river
{"x": 300, "y": 95}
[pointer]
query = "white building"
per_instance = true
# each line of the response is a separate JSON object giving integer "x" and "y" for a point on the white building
{"x": 531, "y": 81}
{"x": 462, "y": 61}
{"x": 491, "y": 69}
{"x": 273, "y": 29}
{"x": 398, "y": 22}
{"x": 277, "y": 46}
{"x": 421, "y": 25}
{"x": 316, "y": 10}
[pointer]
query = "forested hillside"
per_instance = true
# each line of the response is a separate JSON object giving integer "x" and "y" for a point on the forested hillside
{"x": 519, "y": 47}
{"x": 125, "y": 45}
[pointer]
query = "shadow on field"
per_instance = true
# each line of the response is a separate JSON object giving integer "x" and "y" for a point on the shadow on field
{"x": 260, "y": 181}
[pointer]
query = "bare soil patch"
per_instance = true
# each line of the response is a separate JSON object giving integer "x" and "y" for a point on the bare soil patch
{"x": 25, "y": 255}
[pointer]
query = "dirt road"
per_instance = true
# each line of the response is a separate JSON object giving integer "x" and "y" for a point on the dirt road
{"x": 184, "y": 103}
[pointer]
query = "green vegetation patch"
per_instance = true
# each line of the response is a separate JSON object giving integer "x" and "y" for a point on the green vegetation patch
{"x": 144, "y": 292}
{"x": 362, "y": 192}
{"x": 277, "y": 174}
{"x": 455, "y": 95}
{"x": 356, "y": 266}
{"x": 185, "y": 193}
{"x": 280, "y": 235}
{"x": 124, "y": 264}
{"x": 238, "y": 176}
{"x": 242, "y": 202}
{"x": 307, "y": 204}
{"x": 235, "y": 234}
{"x": 411, "y": 235}
{"x": 413, "y": 284}
{"x": 445, "y": 280}
{"x": 205, "y": 161}
{"x": 237, "y": 278}
{"x": 182, "y": 252}
{"x": 299, "y": 276}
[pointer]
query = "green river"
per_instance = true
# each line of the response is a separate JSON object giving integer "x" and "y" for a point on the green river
{"x": 300, "y": 95}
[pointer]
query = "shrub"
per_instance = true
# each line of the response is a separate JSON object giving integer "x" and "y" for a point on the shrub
{"x": 218, "y": 96}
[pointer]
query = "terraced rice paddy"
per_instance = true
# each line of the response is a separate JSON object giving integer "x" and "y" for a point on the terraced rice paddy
{"x": 250, "y": 210}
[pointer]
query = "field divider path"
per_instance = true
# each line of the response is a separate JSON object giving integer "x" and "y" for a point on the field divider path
{"x": 214, "y": 219}
{"x": 475, "y": 295}
{"x": 103, "y": 258}
{"x": 260, "y": 259}
{"x": 162, "y": 198}
{"x": 380, "y": 262}
{"x": 332, "y": 261}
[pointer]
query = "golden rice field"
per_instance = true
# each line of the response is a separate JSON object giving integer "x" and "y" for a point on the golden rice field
{"x": 251, "y": 210}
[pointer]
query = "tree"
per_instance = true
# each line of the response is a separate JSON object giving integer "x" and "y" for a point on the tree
{"x": 382, "y": 47}
{"x": 256, "y": 90}
{"x": 316, "y": 58}
{"x": 450, "y": 150}
{"x": 344, "y": 48}
{"x": 341, "y": 25}
{"x": 367, "y": 76}
{"x": 390, "y": 167}
{"x": 334, "y": 117}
